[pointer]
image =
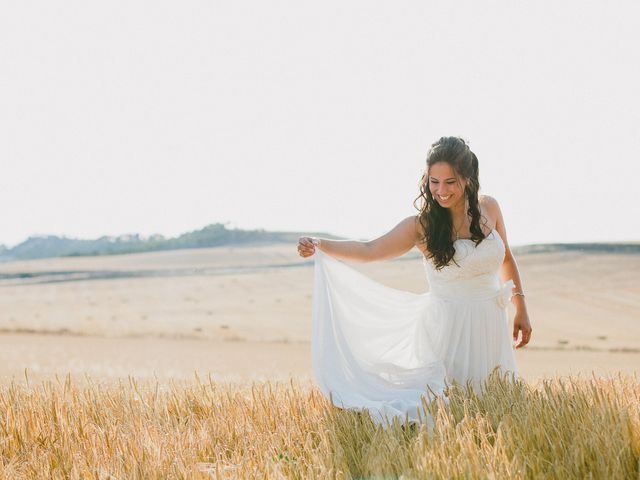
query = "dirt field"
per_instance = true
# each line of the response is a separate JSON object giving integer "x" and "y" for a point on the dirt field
{"x": 245, "y": 314}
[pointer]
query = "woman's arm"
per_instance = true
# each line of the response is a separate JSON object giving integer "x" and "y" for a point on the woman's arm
{"x": 509, "y": 270}
{"x": 394, "y": 243}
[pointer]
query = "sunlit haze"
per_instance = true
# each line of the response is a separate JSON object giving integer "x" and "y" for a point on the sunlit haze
{"x": 162, "y": 117}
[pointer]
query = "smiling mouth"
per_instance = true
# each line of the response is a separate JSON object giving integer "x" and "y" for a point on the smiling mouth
{"x": 444, "y": 199}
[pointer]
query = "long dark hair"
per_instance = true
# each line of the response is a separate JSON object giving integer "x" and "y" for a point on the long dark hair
{"x": 435, "y": 220}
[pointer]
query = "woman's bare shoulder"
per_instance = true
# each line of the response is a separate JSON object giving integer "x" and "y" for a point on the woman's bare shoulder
{"x": 490, "y": 208}
{"x": 414, "y": 226}
{"x": 414, "y": 220}
{"x": 419, "y": 234}
{"x": 487, "y": 201}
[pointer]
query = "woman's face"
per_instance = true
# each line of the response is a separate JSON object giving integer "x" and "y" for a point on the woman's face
{"x": 445, "y": 186}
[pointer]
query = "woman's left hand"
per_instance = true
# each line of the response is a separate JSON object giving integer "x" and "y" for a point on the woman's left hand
{"x": 521, "y": 324}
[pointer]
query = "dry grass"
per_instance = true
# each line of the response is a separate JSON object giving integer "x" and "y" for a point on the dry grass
{"x": 571, "y": 428}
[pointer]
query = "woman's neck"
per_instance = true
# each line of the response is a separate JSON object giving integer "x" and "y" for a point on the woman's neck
{"x": 458, "y": 212}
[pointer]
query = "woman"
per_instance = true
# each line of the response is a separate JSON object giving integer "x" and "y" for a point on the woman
{"x": 382, "y": 349}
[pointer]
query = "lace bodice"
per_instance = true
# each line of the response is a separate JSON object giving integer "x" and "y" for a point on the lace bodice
{"x": 475, "y": 273}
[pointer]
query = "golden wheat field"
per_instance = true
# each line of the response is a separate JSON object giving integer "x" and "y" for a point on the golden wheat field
{"x": 572, "y": 428}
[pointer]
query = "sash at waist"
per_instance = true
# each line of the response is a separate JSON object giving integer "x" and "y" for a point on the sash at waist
{"x": 474, "y": 291}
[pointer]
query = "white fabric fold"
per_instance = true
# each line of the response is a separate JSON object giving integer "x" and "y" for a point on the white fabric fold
{"x": 369, "y": 349}
{"x": 388, "y": 351}
{"x": 504, "y": 295}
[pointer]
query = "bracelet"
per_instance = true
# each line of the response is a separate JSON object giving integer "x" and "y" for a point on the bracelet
{"x": 517, "y": 294}
{"x": 315, "y": 241}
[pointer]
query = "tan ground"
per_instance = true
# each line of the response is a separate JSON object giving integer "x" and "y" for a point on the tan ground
{"x": 244, "y": 313}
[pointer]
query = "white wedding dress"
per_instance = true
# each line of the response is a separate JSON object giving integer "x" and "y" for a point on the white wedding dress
{"x": 382, "y": 349}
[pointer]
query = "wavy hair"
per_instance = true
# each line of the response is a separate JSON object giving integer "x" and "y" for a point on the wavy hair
{"x": 436, "y": 221}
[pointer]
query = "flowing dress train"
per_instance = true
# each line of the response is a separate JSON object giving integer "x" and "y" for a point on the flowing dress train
{"x": 383, "y": 349}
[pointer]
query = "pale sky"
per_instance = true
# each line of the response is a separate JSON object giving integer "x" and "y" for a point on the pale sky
{"x": 162, "y": 117}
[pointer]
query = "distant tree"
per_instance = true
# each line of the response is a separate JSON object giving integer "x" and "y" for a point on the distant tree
{"x": 213, "y": 235}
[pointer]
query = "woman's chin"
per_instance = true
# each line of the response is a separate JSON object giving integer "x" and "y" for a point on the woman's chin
{"x": 451, "y": 203}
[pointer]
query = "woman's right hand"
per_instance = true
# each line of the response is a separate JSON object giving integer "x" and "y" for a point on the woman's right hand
{"x": 307, "y": 246}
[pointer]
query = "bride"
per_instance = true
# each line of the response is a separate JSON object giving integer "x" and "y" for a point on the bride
{"x": 382, "y": 349}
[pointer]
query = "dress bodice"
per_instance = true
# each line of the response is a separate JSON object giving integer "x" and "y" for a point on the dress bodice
{"x": 473, "y": 273}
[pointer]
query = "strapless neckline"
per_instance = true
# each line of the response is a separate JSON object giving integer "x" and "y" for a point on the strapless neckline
{"x": 492, "y": 235}
{"x": 492, "y": 232}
